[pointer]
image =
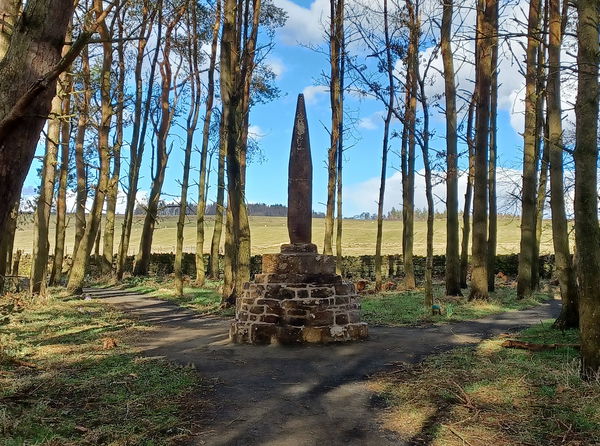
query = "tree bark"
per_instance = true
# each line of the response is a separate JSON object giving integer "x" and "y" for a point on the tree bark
{"x": 34, "y": 50}
{"x": 485, "y": 32}
{"x": 452, "y": 275}
{"x": 201, "y": 210}
{"x": 464, "y": 250}
{"x": 81, "y": 257}
{"x": 213, "y": 267}
{"x": 493, "y": 207}
{"x": 527, "y": 247}
{"x": 385, "y": 146}
{"x": 140, "y": 124}
{"x": 9, "y": 14}
{"x": 587, "y": 233}
{"x": 408, "y": 182}
{"x": 569, "y": 315}
{"x": 61, "y": 197}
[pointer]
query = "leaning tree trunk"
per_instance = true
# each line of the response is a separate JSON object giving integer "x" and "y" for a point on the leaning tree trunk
{"x": 28, "y": 76}
{"x": 527, "y": 247}
{"x": 587, "y": 233}
{"x": 452, "y": 276}
{"x": 569, "y": 315}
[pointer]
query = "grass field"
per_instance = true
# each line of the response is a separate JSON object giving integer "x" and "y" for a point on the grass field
{"x": 268, "y": 233}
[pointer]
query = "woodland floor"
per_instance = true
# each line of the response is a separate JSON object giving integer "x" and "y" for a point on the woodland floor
{"x": 305, "y": 395}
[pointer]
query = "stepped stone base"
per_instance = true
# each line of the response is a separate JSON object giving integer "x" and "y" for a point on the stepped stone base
{"x": 298, "y": 298}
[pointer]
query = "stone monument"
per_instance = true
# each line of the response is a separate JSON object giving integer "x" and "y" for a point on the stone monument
{"x": 298, "y": 297}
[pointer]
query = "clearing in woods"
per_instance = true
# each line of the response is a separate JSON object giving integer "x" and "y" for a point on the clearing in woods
{"x": 268, "y": 233}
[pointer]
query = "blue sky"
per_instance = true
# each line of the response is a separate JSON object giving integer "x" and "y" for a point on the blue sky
{"x": 298, "y": 70}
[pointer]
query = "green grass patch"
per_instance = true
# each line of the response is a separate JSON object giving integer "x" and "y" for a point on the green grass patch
{"x": 408, "y": 307}
{"x": 60, "y": 385}
{"x": 490, "y": 394}
{"x": 204, "y": 300}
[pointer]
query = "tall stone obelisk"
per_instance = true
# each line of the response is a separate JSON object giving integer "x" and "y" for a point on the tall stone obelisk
{"x": 299, "y": 217}
{"x": 298, "y": 297}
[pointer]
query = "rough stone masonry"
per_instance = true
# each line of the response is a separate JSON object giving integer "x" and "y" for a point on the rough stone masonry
{"x": 298, "y": 297}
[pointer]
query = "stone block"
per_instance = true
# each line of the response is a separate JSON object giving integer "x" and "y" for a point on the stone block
{"x": 321, "y": 292}
{"x": 341, "y": 318}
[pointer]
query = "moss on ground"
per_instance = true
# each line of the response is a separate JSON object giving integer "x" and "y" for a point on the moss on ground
{"x": 493, "y": 395}
{"x": 63, "y": 381}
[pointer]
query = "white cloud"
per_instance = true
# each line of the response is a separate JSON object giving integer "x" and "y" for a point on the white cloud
{"x": 304, "y": 25}
{"x": 277, "y": 66}
{"x": 312, "y": 93}
{"x": 364, "y": 195}
{"x": 255, "y": 132}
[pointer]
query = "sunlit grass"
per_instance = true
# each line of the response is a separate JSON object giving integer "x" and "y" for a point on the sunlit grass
{"x": 492, "y": 395}
{"x": 58, "y": 384}
{"x": 408, "y": 307}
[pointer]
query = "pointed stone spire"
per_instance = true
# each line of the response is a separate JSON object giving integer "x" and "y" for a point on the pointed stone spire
{"x": 300, "y": 180}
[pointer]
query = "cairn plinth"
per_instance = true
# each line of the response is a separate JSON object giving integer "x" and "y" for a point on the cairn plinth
{"x": 298, "y": 297}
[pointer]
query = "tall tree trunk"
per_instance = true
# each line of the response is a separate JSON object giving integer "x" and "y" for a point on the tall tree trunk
{"x": 192, "y": 122}
{"x": 201, "y": 210}
{"x": 587, "y": 233}
{"x": 340, "y": 153}
{"x": 237, "y": 66}
{"x": 61, "y": 198}
{"x": 336, "y": 30}
{"x": 485, "y": 32}
{"x": 385, "y": 147}
{"x": 213, "y": 266}
{"x": 7, "y": 239}
{"x": 527, "y": 248}
{"x": 408, "y": 183}
{"x": 140, "y": 123}
{"x": 167, "y": 110}
{"x": 34, "y": 53}
{"x": 82, "y": 123}
{"x": 569, "y": 315}
{"x": 464, "y": 247}
{"x": 41, "y": 245}
{"x": 81, "y": 257}
{"x": 452, "y": 275}
{"x": 113, "y": 185}
{"x": 541, "y": 148}
{"x": 493, "y": 207}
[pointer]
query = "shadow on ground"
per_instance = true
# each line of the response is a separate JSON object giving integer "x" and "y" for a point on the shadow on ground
{"x": 302, "y": 395}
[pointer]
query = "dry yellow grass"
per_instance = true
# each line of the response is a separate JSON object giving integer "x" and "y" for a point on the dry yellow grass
{"x": 270, "y": 232}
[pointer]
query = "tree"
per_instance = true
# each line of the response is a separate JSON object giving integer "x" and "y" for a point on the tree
{"x": 336, "y": 33}
{"x": 140, "y": 120}
{"x": 213, "y": 266}
{"x": 200, "y": 212}
{"x": 192, "y": 55}
{"x": 528, "y": 192}
{"x": 409, "y": 142}
{"x": 81, "y": 257}
{"x": 485, "y": 32}
{"x": 587, "y": 232}
{"x": 25, "y": 95}
{"x": 61, "y": 196}
{"x": 452, "y": 276}
{"x": 464, "y": 248}
{"x": 167, "y": 107}
{"x": 493, "y": 141}
{"x": 569, "y": 316}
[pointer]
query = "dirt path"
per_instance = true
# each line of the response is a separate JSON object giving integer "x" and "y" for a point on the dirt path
{"x": 304, "y": 395}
